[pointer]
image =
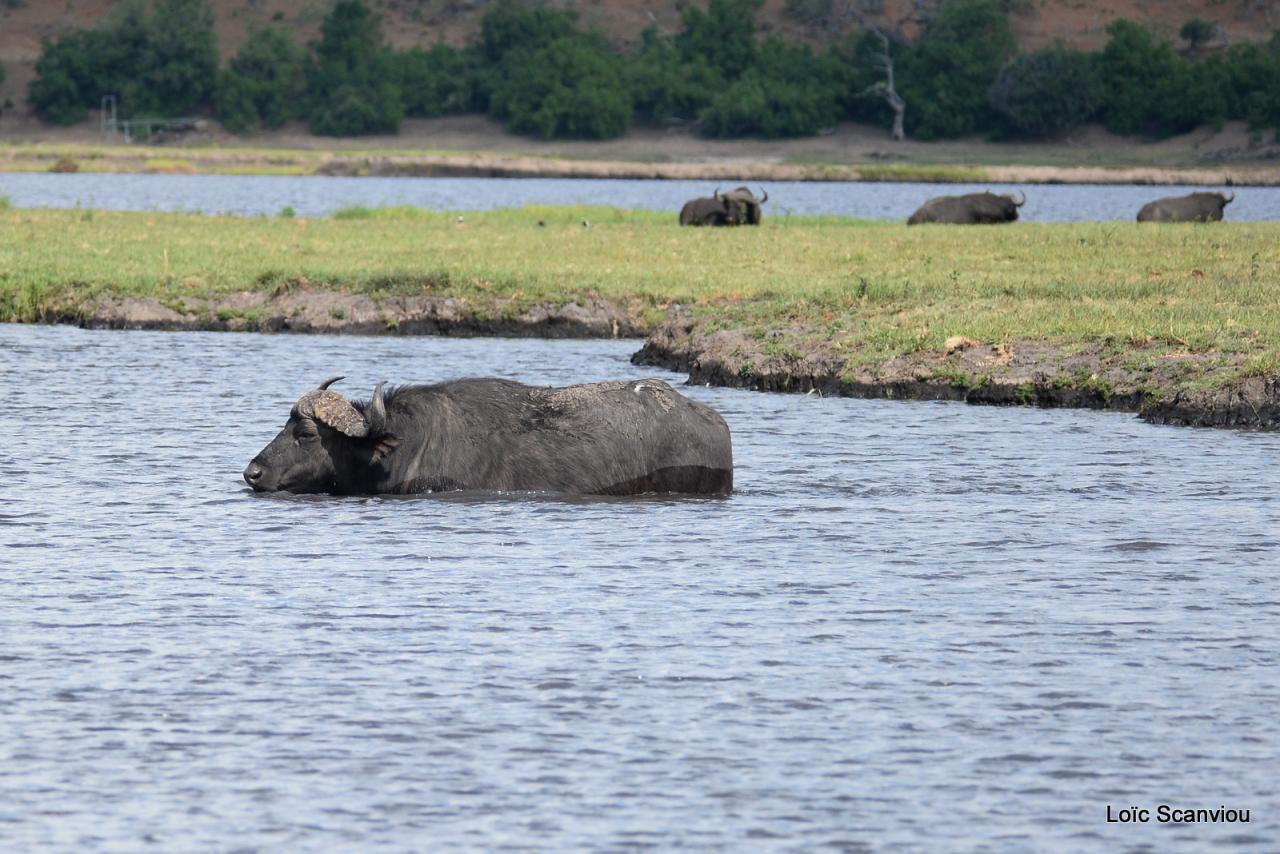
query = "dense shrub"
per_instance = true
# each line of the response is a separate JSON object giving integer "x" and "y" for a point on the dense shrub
{"x": 666, "y": 87}
{"x": 263, "y": 84}
{"x": 162, "y": 64}
{"x": 1044, "y": 93}
{"x": 512, "y": 26}
{"x": 180, "y": 65}
{"x": 436, "y": 82}
{"x": 67, "y": 78}
{"x": 1147, "y": 87}
{"x": 351, "y": 78}
{"x": 724, "y": 36}
{"x": 1252, "y": 86}
{"x": 573, "y": 87}
{"x": 547, "y": 77}
{"x": 789, "y": 92}
{"x": 945, "y": 77}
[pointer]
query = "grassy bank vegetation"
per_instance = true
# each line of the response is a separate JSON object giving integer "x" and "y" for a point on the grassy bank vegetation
{"x": 875, "y": 290}
{"x": 247, "y": 160}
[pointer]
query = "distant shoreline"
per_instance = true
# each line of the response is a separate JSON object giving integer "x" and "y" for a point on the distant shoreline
{"x": 473, "y": 146}
{"x": 155, "y": 160}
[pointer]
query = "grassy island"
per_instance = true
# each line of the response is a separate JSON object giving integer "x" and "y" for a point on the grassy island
{"x": 1106, "y": 314}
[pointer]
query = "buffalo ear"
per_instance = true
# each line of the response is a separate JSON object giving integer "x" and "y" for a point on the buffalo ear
{"x": 384, "y": 445}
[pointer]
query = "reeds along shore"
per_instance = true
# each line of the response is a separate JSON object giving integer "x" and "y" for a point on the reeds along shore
{"x": 1113, "y": 314}
{"x": 249, "y": 161}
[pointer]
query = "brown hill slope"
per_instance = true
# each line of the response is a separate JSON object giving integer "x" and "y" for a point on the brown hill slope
{"x": 1082, "y": 23}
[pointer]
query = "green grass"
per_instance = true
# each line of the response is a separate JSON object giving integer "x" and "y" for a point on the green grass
{"x": 940, "y": 174}
{"x": 875, "y": 290}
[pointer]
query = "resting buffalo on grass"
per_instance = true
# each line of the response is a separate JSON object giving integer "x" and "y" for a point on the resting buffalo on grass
{"x": 717, "y": 210}
{"x": 973, "y": 209}
{"x": 748, "y": 206}
{"x": 613, "y": 438}
{"x": 1196, "y": 207}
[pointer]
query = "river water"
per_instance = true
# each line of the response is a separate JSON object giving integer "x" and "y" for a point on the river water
{"x": 322, "y": 196}
{"x": 913, "y": 627}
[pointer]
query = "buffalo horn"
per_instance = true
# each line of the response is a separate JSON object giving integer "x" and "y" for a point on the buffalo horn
{"x": 1021, "y": 203}
{"x": 324, "y": 385}
{"x": 764, "y": 196}
{"x": 377, "y": 415}
{"x": 333, "y": 410}
{"x": 716, "y": 194}
{"x": 1227, "y": 201}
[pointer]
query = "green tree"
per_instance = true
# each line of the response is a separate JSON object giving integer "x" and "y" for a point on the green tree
{"x": 1146, "y": 86}
{"x": 73, "y": 73}
{"x": 179, "y": 60}
{"x": 724, "y": 36}
{"x": 161, "y": 64}
{"x": 511, "y": 33}
{"x": 1044, "y": 93}
{"x": 573, "y": 87}
{"x": 512, "y": 26}
{"x": 789, "y": 91}
{"x": 263, "y": 83}
{"x": 437, "y": 82}
{"x": 351, "y": 79}
{"x": 1196, "y": 33}
{"x": 945, "y": 78}
{"x": 1252, "y": 89}
{"x": 664, "y": 86}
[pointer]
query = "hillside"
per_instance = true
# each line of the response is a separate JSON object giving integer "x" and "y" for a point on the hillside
{"x": 1081, "y": 23}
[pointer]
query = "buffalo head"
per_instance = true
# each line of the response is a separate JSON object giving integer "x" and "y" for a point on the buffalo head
{"x": 325, "y": 438}
{"x": 747, "y": 204}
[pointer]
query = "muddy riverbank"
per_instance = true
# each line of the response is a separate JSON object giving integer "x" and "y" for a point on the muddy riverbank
{"x": 1147, "y": 379}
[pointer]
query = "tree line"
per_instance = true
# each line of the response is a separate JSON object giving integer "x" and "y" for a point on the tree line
{"x": 538, "y": 70}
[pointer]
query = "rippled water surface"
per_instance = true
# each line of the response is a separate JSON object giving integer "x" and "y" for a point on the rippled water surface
{"x": 914, "y": 627}
{"x": 321, "y": 196}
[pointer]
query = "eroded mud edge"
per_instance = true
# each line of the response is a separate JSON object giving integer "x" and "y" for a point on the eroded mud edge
{"x": 316, "y": 310}
{"x": 1151, "y": 381}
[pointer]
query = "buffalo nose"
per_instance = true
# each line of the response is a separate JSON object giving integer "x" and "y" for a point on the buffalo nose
{"x": 252, "y": 474}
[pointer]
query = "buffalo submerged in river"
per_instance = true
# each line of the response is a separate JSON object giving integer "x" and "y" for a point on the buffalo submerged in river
{"x": 972, "y": 209}
{"x": 611, "y": 438}
{"x": 1195, "y": 207}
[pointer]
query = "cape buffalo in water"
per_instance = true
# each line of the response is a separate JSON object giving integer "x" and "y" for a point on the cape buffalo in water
{"x": 1196, "y": 207}
{"x": 613, "y": 438}
{"x": 973, "y": 209}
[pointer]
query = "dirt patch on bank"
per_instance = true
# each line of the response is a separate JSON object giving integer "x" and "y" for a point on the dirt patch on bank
{"x": 301, "y": 307}
{"x": 1163, "y": 386}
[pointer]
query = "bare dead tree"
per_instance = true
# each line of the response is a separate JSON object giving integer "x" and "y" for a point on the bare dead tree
{"x": 831, "y": 18}
{"x": 886, "y": 88}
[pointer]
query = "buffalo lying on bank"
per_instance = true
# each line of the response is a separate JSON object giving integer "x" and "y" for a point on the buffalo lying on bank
{"x": 971, "y": 209}
{"x": 737, "y": 207}
{"x": 1195, "y": 207}
{"x": 748, "y": 206}
{"x": 613, "y": 438}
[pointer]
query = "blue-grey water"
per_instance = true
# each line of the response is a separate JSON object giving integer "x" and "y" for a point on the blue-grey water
{"x": 322, "y": 196}
{"x": 913, "y": 627}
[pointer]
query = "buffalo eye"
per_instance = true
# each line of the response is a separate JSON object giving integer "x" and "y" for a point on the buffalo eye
{"x": 305, "y": 433}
